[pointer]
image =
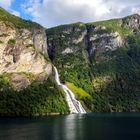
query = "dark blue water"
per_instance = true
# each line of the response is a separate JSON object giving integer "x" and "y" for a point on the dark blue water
{"x": 94, "y": 126}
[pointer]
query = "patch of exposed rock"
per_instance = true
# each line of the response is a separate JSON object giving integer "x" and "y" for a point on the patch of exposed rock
{"x": 67, "y": 50}
{"x": 20, "y": 81}
{"x": 103, "y": 42}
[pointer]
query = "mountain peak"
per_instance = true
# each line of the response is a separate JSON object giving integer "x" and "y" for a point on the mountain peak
{"x": 132, "y": 21}
{"x": 135, "y": 16}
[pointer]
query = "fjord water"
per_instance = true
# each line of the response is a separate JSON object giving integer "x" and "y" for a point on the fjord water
{"x": 93, "y": 126}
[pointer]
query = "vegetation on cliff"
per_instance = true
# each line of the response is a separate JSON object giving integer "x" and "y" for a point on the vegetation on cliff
{"x": 116, "y": 82}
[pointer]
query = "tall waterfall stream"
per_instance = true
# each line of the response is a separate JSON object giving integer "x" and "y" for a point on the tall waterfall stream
{"x": 74, "y": 105}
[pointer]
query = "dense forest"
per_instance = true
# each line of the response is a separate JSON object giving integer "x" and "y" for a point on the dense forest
{"x": 37, "y": 99}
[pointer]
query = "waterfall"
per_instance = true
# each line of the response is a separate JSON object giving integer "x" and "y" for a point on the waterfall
{"x": 74, "y": 105}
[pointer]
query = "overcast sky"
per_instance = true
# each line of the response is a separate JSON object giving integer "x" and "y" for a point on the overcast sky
{"x": 50, "y": 13}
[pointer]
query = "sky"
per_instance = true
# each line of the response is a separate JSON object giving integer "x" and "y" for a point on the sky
{"x": 50, "y": 13}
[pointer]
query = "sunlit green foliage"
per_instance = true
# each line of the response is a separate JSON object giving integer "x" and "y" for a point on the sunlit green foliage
{"x": 79, "y": 92}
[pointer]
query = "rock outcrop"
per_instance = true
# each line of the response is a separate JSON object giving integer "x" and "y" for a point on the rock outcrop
{"x": 21, "y": 52}
{"x": 132, "y": 21}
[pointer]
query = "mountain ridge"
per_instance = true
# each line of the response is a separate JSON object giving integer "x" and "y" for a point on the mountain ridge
{"x": 82, "y": 23}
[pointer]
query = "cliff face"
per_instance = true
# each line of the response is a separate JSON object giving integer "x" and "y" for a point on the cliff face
{"x": 19, "y": 50}
{"x": 92, "y": 40}
{"x": 101, "y": 58}
{"x": 96, "y": 38}
{"x": 22, "y": 50}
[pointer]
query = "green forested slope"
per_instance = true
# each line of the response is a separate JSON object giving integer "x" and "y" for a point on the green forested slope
{"x": 37, "y": 99}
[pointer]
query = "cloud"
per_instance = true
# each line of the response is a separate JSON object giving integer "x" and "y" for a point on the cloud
{"x": 54, "y": 12}
{"x": 5, "y": 3}
{"x": 15, "y": 13}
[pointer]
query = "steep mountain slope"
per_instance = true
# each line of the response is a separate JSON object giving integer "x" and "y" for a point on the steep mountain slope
{"x": 24, "y": 69}
{"x": 102, "y": 59}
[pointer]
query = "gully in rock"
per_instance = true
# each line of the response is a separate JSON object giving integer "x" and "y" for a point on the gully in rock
{"x": 74, "y": 105}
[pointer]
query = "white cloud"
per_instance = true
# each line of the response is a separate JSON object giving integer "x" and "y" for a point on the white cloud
{"x": 5, "y": 3}
{"x": 55, "y": 12}
{"x": 15, "y": 13}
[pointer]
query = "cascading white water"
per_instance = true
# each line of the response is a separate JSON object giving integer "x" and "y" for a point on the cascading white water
{"x": 74, "y": 105}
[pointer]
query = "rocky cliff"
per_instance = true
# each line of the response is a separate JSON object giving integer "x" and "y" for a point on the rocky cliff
{"x": 95, "y": 38}
{"x": 22, "y": 51}
{"x": 91, "y": 39}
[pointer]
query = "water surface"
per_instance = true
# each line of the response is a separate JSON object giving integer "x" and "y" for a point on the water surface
{"x": 93, "y": 126}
